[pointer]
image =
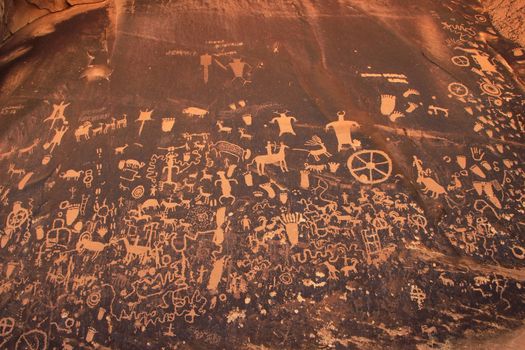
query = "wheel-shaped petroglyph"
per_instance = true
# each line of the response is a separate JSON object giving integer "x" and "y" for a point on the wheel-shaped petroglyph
{"x": 461, "y": 61}
{"x": 370, "y": 166}
{"x": 458, "y": 89}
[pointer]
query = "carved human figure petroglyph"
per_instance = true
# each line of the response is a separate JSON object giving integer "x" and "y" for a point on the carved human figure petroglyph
{"x": 57, "y": 114}
{"x": 280, "y": 158}
{"x": 343, "y": 131}
{"x": 284, "y": 122}
{"x": 56, "y": 140}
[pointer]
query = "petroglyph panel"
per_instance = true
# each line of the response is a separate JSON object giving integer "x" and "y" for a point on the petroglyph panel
{"x": 248, "y": 175}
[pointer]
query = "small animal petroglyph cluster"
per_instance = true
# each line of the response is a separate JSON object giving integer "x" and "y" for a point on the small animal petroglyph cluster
{"x": 246, "y": 216}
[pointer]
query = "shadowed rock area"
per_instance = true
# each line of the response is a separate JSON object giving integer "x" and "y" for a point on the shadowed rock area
{"x": 508, "y": 16}
{"x": 260, "y": 175}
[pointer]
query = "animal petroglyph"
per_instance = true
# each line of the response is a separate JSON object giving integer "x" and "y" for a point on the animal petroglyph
{"x": 237, "y": 207}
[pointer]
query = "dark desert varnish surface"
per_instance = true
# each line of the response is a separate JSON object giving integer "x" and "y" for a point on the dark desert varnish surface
{"x": 261, "y": 175}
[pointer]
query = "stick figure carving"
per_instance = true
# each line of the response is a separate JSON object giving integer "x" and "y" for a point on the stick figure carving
{"x": 56, "y": 140}
{"x": 280, "y": 158}
{"x": 57, "y": 114}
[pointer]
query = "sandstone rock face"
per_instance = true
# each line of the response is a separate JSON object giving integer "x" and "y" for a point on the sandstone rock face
{"x": 50, "y": 5}
{"x": 508, "y": 16}
{"x": 22, "y": 13}
{"x": 16, "y": 14}
{"x": 3, "y": 18}
{"x": 260, "y": 174}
